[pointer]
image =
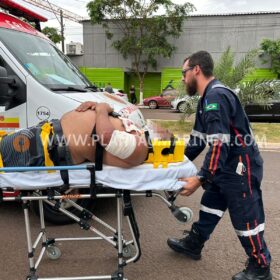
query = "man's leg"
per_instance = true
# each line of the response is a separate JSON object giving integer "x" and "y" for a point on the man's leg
{"x": 213, "y": 205}
{"x": 248, "y": 219}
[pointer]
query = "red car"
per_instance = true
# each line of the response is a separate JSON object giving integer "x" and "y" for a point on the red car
{"x": 163, "y": 100}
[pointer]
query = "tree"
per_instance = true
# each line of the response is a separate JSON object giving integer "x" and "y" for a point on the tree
{"x": 52, "y": 34}
{"x": 145, "y": 27}
{"x": 272, "y": 48}
{"x": 232, "y": 74}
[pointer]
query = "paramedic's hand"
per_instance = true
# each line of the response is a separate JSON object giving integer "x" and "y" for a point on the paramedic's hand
{"x": 88, "y": 105}
{"x": 192, "y": 184}
{"x": 103, "y": 107}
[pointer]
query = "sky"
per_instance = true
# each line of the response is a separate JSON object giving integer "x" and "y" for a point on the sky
{"x": 73, "y": 31}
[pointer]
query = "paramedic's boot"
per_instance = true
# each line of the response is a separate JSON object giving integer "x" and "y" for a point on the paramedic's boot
{"x": 191, "y": 245}
{"x": 253, "y": 271}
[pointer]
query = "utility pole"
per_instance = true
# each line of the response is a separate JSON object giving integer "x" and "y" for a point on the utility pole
{"x": 62, "y": 31}
{"x": 58, "y": 12}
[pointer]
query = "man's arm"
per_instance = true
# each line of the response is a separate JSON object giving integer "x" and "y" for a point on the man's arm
{"x": 218, "y": 110}
{"x": 197, "y": 140}
{"x": 217, "y": 122}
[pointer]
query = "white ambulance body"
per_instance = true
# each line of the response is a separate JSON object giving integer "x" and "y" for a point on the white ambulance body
{"x": 38, "y": 82}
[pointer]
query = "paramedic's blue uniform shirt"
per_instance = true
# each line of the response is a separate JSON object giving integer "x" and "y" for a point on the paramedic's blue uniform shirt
{"x": 222, "y": 123}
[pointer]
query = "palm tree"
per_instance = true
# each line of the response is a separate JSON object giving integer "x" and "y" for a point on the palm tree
{"x": 232, "y": 75}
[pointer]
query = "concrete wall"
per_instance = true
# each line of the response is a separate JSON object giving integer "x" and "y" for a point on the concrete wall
{"x": 211, "y": 33}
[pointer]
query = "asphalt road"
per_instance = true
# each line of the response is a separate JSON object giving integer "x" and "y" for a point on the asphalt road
{"x": 222, "y": 256}
{"x": 161, "y": 114}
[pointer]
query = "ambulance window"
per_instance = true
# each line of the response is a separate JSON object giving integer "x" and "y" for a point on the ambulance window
{"x": 16, "y": 94}
{"x": 43, "y": 60}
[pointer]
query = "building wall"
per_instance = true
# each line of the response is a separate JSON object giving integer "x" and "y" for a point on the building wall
{"x": 241, "y": 32}
{"x": 211, "y": 33}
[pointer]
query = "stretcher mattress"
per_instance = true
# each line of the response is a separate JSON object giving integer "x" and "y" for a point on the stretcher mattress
{"x": 141, "y": 178}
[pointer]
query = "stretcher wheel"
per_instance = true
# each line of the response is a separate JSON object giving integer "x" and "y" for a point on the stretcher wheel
{"x": 128, "y": 251}
{"x": 53, "y": 252}
{"x": 188, "y": 213}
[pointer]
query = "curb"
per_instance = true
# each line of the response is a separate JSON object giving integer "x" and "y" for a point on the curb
{"x": 263, "y": 145}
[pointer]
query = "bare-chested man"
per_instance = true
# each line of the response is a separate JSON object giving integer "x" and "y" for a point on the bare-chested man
{"x": 71, "y": 140}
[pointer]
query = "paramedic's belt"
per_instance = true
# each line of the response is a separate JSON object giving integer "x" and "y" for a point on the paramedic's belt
{"x": 161, "y": 152}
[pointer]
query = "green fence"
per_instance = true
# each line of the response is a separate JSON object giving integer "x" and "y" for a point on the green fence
{"x": 120, "y": 80}
{"x": 151, "y": 84}
{"x": 154, "y": 82}
{"x": 171, "y": 77}
{"x": 102, "y": 76}
{"x": 260, "y": 74}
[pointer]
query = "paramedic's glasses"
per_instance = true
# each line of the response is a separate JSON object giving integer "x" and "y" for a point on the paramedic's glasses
{"x": 184, "y": 72}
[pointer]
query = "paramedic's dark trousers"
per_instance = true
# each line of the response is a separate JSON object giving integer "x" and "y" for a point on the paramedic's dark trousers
{"x": 246, "y": 213}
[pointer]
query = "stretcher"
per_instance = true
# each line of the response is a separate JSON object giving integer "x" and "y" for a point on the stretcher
{"x": 53, "y": 186}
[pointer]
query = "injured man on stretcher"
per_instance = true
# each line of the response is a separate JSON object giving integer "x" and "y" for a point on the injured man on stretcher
{"x": 73, "y": 140}
{"x": 76, "y": 139}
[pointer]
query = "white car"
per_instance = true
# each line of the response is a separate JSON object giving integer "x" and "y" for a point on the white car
{"x": 119, "y": 93}
{"x": 179, "y": 104}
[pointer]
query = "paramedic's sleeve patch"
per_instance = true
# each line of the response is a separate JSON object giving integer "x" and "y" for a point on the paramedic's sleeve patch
{"x": 212, "y": 107}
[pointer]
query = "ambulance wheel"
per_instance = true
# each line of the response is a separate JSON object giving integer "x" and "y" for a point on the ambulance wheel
{"x": 56, "y": 217}
{"x": 128, "y": 251}
{"x": 188, "y": 213}
{"x": 53, "y": 252}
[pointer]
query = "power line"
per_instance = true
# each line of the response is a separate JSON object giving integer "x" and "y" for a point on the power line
{"x": 50, "y": 7}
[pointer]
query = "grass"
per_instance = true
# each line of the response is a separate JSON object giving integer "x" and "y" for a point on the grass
{"x": 264, "y": 132}
{"x": 269, "y": 130}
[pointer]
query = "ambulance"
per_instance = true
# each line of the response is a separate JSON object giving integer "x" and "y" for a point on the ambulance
{"x": 37, "y": 81}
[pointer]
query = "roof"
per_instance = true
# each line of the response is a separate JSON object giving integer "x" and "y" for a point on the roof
{"x": 227, "y": 14}
{"x": 236, "y": 14}
{"x": 11, "y": 22}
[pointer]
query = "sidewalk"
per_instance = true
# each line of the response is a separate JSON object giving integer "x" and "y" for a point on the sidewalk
{"x": 264, "y": 145}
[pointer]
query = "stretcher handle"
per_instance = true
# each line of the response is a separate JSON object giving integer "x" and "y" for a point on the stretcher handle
{"x": 44, "y": 168}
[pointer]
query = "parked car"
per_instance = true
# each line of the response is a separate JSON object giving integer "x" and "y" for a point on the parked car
{"x": 121, "y": 94}
{"x": 162, "y": 100}
{"x": 260, "y": 113}
{"x": 270, "y": 112}
{"x": 118, "y": 92}
{"x": 179, "y": 104}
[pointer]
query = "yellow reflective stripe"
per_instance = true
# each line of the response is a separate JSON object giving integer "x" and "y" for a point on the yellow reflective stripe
{"x": 46, "y": 129}
{"x": 1, "y": 160}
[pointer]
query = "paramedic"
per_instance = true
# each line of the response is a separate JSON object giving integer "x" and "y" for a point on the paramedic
{"x": 231, "y": 173}
{"x": 73, "y": 140}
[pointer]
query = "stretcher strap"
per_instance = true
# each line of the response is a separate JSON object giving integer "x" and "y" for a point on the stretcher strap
{"x": 46, "y": 129}
{"x": 1, "y": 160}
{"x": 172, "y": 144}
{"x": 98, "y": 153}
{"x": 93, "y": 187}
{"x": 149, "y": 142}
{"x": 128, "y": 211}
{"x": 64, "y": 174}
